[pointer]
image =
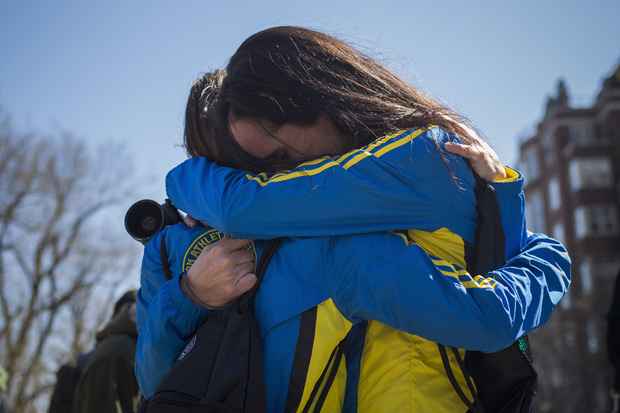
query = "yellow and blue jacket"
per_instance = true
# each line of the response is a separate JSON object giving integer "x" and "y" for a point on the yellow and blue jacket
{"x": 410, "y": 290}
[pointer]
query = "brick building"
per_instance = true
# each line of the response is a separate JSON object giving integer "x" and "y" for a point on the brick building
{"x": 572, "y": 169}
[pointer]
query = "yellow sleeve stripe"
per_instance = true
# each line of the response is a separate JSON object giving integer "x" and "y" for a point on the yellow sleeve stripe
{"x": 356, "y": 159}
{"x": 288, "y": 176}
{"x": 377, "y": 149}
{"x": 441, "y": 263}
{"x": 462, "y": 276}
{"x": 456, "y": 273}
{"x": 467, "y": 281}
{"x": 313, "y": 162}
{"x": 390, "y": 147}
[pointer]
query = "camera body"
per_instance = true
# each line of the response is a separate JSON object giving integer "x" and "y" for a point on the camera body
{"x": 146, "y": 218}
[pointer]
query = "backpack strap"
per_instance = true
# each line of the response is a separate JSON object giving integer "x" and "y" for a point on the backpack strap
{"x": 301, "y": 360}
{"x": 472, "y": 405}
{"x": 326, "y": 379}
{"x": 247, "y": 300}
{"x": 485, "y": 254}
{"x": 269, "y": 252}
{"x": 500, "y": 375}
{"x": 163, "y": 254}
{"x": 323, "y": 385}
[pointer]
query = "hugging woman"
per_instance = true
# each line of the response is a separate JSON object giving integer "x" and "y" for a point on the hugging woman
{"x": 304, "y": 138}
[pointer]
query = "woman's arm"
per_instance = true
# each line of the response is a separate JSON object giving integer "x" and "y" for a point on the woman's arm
{"x": 378, "y": 277}
{"x": 399, "y": 181}
{"x": 166, "y": 319}
{"x": 511, "y": 205}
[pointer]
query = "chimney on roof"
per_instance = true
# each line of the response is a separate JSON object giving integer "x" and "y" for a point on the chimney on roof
{"x": 558, "y": 102}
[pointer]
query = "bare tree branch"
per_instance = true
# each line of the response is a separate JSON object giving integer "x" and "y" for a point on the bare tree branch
{"x": 52, "y": 257}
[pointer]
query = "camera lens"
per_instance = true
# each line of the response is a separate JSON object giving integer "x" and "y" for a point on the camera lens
{"x": 144, "y": 219}
{"x": 149, "y": 224}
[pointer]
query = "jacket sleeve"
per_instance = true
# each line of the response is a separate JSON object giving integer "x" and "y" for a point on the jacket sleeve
{"x": 404, "y": 180}
{"x": 405, "y": 288}
{"x": 166, "y": 320}
{"x": 511, "y": 203}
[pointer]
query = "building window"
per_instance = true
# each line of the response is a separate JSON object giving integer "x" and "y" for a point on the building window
{"x": 554, "y": 194}
{"x": 532, "y": 170}
{"x": 596, "y": 220}
{"x": 581, "y": 134}
{"x": 587, "y": 173}
{"x": 557, "y": 377}
{"x": 548, "y": 148}
{"x": 558, "y": 232}
{"x": 585, "y": 273}
{"x": 535, "y": 211}
{"x": 581, "y": 227}
{"x": 592, "y": 336}
{"x": 606, "y": 268}
{"x": 570, "y": 334}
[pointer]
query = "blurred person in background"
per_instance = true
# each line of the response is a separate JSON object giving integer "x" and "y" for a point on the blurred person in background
{"x": 107, "y": 383}
{"x": 67, "y": 378}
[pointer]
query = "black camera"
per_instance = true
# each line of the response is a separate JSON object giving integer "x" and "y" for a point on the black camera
{"x": 146, "y": 217}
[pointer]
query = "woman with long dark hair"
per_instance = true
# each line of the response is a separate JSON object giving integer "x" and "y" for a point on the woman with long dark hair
{"x": 290, "y": 95}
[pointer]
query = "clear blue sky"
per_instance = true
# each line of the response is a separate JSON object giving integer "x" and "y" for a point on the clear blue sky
{"x": 122, "y": 70}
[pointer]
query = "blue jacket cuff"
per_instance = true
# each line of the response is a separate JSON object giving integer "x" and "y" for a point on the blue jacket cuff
{"x": 191, "y": 311}
{"x": 512, "y": 184}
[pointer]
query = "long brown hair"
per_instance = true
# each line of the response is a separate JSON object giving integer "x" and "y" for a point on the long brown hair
{"x": 293, "y": 75}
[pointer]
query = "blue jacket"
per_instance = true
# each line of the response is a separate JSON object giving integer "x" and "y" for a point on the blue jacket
{"x": 352, "y": 278}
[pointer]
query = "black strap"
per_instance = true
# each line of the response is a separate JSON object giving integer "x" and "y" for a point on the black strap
{"x": 468, "y": 378}
{"x": 163, "y": 254}
{"x": 246, "y": 302}
{"x": 329, "y": 371}
{"x": 452, "y": 378}
{"x": 301, "y": 360}
{"x": 475, "y": 264}
{"x": 269, "y": 252}
{"x": 330, "y": 379}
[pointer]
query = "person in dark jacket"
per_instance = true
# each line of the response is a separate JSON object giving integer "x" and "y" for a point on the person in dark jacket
{"x": 108, "y": 383}
{"x": 67, "y": 379}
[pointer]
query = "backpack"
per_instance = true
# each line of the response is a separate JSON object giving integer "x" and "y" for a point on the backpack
{"x": 221, "y": 368}
{"x": 67, "y": 379}
{"x": 504, "y": 381}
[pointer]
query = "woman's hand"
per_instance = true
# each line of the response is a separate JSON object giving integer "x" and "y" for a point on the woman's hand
{"x": 222, "y": 272}
{"x": 483, "y": 159}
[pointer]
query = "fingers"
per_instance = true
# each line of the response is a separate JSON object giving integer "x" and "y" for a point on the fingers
{"x": 241, "y": 257}
{"x": 230, "y": 244}
{"x": 232, "y": 254}
{"x": 245, "y": 283}
{"x": 243, "y": 269}
{"x": 466, "y": 151}
{"x": 482, "y": 159}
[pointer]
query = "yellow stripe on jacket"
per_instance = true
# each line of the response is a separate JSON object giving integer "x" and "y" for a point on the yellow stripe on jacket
{"x": 331, "y": 327}
{"x": 377, "y": 149}
{"x": 402, "y": 372}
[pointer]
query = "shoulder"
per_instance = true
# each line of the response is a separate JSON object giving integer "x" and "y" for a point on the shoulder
{"x": 413, "y": 142}
{"x": 436, "y": 137}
